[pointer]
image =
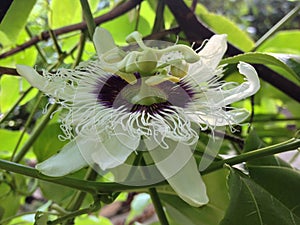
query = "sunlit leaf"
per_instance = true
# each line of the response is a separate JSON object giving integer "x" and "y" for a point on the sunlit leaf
{"x": 70, "y": 10}
{"x": 125, "y": 24}
{"x": 222, "y": 25}
{"x": 282, "y": 42}
{"x": 11, "y": 90}
{"x": 15, "y": 18}
{"x": 261, "y": 58}
{"x": 9, "y": 140}
{"x": 147, "y": 12}
{"x": 92, "y": 220}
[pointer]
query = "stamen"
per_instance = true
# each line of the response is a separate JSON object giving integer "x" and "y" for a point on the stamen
{"x": 115, "y": 92}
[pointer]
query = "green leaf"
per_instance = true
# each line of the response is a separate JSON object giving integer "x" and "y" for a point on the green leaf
{"x": 147, "y": 12}
{"x": 9, "y": 201}
{"x": 281, "y": 182}
{"x": 282, "y": 42}
{"x": 70, "y": 10}
{"x": 48, "y": 143}
{"x": 212, "y": 213}
{"x": 9, "y": 140}
{"x": 11, "y": 90}
{"x": 4, "y": 40}
{"x": 292, "y": 61}
{"x": 253, "y": 142}
{"x": 251, "y": 204}
{"x": 41, "y": 218}
{"x": 222, "y": 25}
{"x": 122, "y": 26}
{"x": 55, "y": 192}
{"x": 15, "y": 18}
{"x": 92, "y": 220}
{"x": 62, "y": 195}
{"x": 64, "y": 13}
{"x": 26, "y": 57}
{"x": 261, "y": 58}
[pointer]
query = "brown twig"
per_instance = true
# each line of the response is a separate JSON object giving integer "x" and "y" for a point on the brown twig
{"x": 7, "y": 70}
{"x": 118, "y": 11}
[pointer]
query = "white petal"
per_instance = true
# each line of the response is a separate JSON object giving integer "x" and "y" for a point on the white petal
{"x": 200, "y": 72}
{"x": 128, "y": 140}
{"x": 68, "y": 160}
{"x": 210, "y": 57}
{"x": 220, "y": 117}
{"x": 244, "y": 90}
{"x": 214, "y": 50}
{"x": 103, "y": 41}
{"x": 179, "y": 167}
{"x": 35, "y": 79}
{"x": 111, "y": 152}
{"x": 57, "y": 88}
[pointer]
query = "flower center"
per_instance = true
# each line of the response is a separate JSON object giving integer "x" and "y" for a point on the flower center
{"x": 116, "y": 93}
{"x": 143, "y": 94}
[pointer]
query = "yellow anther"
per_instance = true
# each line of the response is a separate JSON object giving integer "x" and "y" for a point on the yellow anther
{"x": 128, "y": 77}
{"x": 157, "y": 79}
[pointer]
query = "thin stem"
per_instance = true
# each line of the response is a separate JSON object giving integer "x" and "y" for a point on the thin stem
{"x": 55, "y": 42}
{"x": 33, "y": 111}
{"x": 92, "y": 187}
{"x": 138, "y": 11}
{"x": 159, "y": 18}
{"x": 277, "y": 26}
{"x": 158, "y": 206}
{"x": 88, "y": 17}
{"x": 272, "y": 119}
{"x": 25, "y": 93}
{"x": 39, "y": 50}
{"x": 291, "y": 144}
{"x": 80, "y": 49}
{"x": 155, "y": 199}
{"x": 36, "y": 132}
{"x": 109, "y": 187}
{"x": 72, "y": 215}
{"x": 79, "y": 196}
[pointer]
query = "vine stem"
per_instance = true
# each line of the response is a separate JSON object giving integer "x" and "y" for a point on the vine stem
{"x": 248, "y": 156}
{"x": 277, "y": 26}
{"x": 37, "y": 131}
{"x": 79, "y": 196}
{"x": 109, "y": 187}
{"x": 155, "y": 199}
{"x": 88, "y": 17}
{"x": 29, "y": 120}
{"x": 158, "y": 206}
{"x": 6, "y": 115}
{"x": 72, "y": 215}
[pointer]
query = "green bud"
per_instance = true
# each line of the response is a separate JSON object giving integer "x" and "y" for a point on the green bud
{"x": 147, "y": 62}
